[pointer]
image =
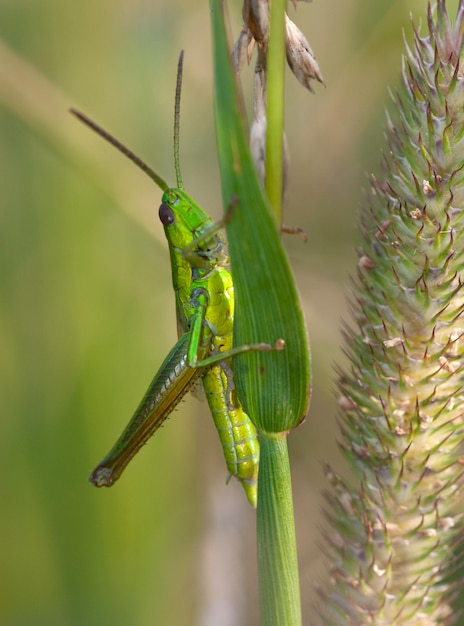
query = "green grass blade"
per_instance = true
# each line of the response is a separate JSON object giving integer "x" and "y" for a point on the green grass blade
{"x": 274, "y": 387}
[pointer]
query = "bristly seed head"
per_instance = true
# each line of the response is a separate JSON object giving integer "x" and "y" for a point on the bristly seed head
{"x": 395, "y": 533}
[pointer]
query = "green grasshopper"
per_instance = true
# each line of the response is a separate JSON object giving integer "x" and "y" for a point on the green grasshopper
{"x": 205, "y": 311}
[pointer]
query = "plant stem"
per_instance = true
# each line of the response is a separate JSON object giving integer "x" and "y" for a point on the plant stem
{"x": 277, "y": 557}
{"x": 275, "y": 108}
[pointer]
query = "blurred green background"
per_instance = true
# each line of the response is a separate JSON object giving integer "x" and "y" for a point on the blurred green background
{"x": 87, "y": 313}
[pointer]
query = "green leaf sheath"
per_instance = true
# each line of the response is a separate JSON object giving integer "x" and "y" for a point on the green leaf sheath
{"x": 170, "y": 384}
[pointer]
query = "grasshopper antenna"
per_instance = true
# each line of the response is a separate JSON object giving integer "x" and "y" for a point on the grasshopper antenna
{"x": 122, "y": 148}
{"x": 180, "y": 66}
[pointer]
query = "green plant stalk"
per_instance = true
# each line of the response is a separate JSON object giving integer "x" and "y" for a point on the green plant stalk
{"x": 275, "y": 108}
{"x": 274, "y": 387}
{"x": 277, "y": 556}
{"x": 277, "y": 553}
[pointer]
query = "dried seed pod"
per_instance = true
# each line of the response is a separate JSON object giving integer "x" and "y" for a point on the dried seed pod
{"x": 243, "y": 49}
{"x": 300, "y": 57}
{"x": 256, "y": 17}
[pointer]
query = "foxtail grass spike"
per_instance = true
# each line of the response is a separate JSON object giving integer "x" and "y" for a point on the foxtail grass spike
{"x": 396, "y": 531}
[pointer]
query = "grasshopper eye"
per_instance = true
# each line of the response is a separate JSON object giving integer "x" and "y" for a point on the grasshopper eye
{"x": 166, "y": 215}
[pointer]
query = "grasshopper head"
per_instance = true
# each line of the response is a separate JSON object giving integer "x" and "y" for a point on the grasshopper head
{"x": 185, "y": 223}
